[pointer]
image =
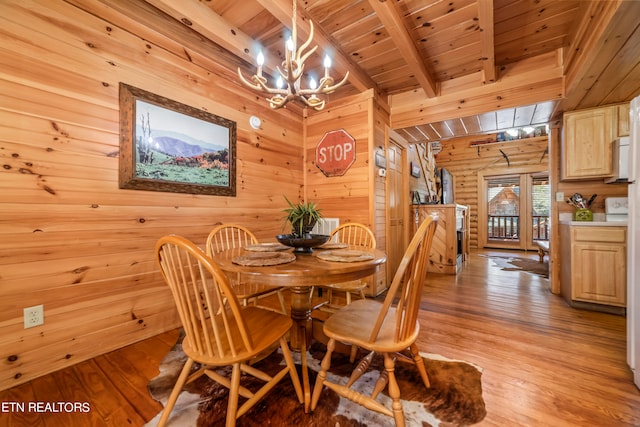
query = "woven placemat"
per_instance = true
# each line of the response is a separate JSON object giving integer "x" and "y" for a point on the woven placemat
{"x": 266, "y": 247}
{"x": 345, "y": 255}
{"x": 260, "y": 259}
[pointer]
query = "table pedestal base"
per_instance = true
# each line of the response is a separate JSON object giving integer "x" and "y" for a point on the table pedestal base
{"x": 301, "y": 333}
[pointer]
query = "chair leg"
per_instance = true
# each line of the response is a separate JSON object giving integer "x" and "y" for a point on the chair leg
{"x": 175, "y": 392}
{"x": 419, "y": 362}
{"x": 322, "y": 375}
{"x": 348, "y": 297}
{"x": 234, "y": 391}
{"x": 293, "y": 373}
{"x": 353, "y": 353}
{"x": 394, "y": 390}
{"x": 283, "y": 306}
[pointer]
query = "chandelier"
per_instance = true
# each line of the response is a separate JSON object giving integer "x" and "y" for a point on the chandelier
{"x": 288, "y": 86}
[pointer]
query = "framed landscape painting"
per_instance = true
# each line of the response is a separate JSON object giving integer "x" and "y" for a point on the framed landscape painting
{"x": 172, "y": 147}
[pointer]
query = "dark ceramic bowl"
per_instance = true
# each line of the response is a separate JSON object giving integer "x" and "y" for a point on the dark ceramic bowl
{"x": 302, "y": 245}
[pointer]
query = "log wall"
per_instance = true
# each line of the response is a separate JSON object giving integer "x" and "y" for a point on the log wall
{"x": 464, "y": 161}
{"x": 69, "y": 237}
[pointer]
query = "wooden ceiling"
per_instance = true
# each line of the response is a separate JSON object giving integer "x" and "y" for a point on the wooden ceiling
{"x": 448, "y": 68}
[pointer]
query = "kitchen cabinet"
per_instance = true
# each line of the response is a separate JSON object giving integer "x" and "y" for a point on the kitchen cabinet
{"x": 587, "y": 146}
{"x": 593, "y": 269}
{"x": 450, "y": 248}
{"x": 623, "y": 120}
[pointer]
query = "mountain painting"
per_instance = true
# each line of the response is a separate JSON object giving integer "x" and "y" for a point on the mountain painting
{"x": 175, "y": 147}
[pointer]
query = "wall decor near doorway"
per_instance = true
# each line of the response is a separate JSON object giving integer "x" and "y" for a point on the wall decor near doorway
{"x": 172, "y": 147}
{"x": 415, "y": 170}
{"x": 335, "y": 153}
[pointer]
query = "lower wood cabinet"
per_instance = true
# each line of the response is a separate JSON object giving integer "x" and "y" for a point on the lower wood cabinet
{"x": 594, "y": 264}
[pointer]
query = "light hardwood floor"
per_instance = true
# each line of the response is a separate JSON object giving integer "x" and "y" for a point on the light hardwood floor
{"x": 545, "y": 364}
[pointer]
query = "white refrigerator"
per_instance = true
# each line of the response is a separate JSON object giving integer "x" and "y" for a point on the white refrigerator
{"x": 633, "y": 244}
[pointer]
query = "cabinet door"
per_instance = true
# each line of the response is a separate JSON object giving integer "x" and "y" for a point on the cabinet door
{"x": 599, "y": 273}
{"x": 588, "y": 143}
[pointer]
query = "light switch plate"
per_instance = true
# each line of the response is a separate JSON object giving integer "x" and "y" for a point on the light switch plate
{"x": 559, "y": 196}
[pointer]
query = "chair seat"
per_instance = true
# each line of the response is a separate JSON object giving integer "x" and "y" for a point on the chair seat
{"x": 382, "y": 327}
{"x": 274, "y": 325}
{"x": 353, "y": 324}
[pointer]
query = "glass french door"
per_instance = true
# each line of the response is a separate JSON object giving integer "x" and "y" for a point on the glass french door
{"x": 503, "y": 211}
{"x": 516, "y": 210}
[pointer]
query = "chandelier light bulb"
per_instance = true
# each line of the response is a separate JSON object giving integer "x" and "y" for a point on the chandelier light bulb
{"x": 290, "y": 45}
{"x": 279, "y": 82}
{"x": 260, "y": 61}
{"x": 312, "y": 84}
{"x": 327, "y": 65}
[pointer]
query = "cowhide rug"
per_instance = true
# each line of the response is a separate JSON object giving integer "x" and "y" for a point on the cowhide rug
{"x": 454, "y": 399}
{"x": 514, "y": 263}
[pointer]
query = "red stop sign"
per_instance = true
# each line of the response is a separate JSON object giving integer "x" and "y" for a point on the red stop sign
{"x": 335, "y": 153}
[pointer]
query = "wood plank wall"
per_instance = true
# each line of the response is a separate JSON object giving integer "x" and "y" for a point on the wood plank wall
{"x": 69, "y": 237}
{"x": 358, "y": 195}
{"x": 379, "y": 137}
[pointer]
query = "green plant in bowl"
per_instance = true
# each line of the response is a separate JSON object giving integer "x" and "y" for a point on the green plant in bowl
{"x": 302, "y": 217}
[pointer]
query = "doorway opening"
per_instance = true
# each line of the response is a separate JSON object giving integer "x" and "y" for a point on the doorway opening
{"x": 516, "y": 210}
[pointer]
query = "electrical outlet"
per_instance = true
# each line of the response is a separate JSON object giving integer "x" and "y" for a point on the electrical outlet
{"x": 33, "y": 316}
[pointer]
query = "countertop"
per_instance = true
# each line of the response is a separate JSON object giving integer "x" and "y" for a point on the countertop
{"x": 596, "y": 223}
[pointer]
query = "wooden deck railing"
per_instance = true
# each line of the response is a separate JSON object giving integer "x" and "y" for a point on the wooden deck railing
{"x": 507, "y": 227}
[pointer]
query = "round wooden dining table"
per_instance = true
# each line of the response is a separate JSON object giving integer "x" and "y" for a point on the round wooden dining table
{"x": 300, "y": 276}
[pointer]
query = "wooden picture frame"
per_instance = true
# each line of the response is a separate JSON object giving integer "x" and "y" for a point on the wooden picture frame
{"x": 172, "y": 147}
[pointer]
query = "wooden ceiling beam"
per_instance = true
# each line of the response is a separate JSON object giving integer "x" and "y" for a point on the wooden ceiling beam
{"x": 203, "y": 20}
{"x": 485, "y": 18}
{"x": 530, "y": 81}
{"x": 283, "y": 11}
{"x": 393, "y": 22}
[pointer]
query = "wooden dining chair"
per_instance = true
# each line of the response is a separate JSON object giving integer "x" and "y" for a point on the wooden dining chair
{"x": 219, "y": 331}
{"x": 393, "y": 333}
{"x": 230, "y": 236}
{"x": 353, "y": 234}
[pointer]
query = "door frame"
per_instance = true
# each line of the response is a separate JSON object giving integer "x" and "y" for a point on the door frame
{"x": 482, "y": 201}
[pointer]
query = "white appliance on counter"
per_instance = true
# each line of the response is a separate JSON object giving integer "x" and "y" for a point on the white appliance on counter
{"x": 633, "y": 244}
{"x": 616, "y": 209}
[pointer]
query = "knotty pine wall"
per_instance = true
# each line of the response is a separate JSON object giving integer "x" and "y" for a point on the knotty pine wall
{"x": 358, "y": 195}
{"x": 69, "y": 237}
